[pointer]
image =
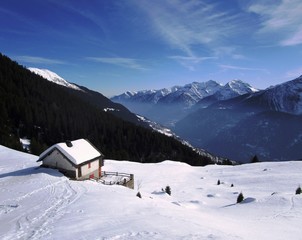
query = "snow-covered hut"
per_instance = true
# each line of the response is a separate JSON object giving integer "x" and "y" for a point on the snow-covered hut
{"x": 77, "y": 159}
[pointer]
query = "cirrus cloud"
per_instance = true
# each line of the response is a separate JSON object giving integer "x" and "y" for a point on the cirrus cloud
{"x": 190, "y": 62}
{"x": 185, "y": 25}
{"x": 39, "y": 60}
{"x": 283, "y": 19}
{"x": 119, "y": 61}
{"x": 232, "y": 67}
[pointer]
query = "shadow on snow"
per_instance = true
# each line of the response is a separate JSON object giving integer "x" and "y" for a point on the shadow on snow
{"x": 31, "y": 171}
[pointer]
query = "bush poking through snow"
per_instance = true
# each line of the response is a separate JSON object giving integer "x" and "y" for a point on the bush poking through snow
{"x": 139, "y": 195}
{"x": 240, "y": 198}
{"x": 298, "y": 190}
{"x": 255, "y": 159}
{"x": 218, "y": 182}
{"x": 168, "y": 190}
{"x": 232, "y": 185}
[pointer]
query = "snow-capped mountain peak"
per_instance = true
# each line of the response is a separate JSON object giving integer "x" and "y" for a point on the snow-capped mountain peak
{"x": 53, "y": 77}
{"x": 240, "y": 87}
{"x": 232, "y": 89}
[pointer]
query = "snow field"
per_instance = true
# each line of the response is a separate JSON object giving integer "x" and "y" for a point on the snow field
{"x": 37, "y": 203}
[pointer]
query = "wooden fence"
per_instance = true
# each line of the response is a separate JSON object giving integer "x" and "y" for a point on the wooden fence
{"x": 116, "y": 178}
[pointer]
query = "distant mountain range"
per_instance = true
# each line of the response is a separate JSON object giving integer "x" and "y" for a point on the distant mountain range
{"x": 189, "y": 94}
{"x": 233, "y": 120}
{"x": 169, "y": 105}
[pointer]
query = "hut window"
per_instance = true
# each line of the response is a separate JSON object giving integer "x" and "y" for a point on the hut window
{"x": 89, "y": 165}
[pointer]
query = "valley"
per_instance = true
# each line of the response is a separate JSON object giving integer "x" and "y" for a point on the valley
{"x": 235, "y": 121}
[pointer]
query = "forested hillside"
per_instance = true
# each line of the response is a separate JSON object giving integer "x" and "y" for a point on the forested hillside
{"x": 48, "y": 113}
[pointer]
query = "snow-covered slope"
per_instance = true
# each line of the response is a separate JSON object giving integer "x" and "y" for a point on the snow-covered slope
{"x": 37, "y": 203}
{"x": 53, "y": 77}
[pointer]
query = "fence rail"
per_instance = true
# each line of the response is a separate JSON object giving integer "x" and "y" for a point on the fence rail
{"x": 116, "y": 178}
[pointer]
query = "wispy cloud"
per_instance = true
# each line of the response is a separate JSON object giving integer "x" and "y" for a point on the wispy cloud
{"x": 118, "y": 61}
{"x": 186, "y": 24}
{"x": 284, "y": 19}
{"x": 38, "y": 60}
{"x": 190, "y": 62}
{"x": 232, "y": 67}
{"x": 230, "y": 51}
{"x": 87, "y": 13}
{"x": 294, "y": 73}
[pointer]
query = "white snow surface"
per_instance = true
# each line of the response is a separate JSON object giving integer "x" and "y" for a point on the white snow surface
{"x": 111, "y": 110}
{"x": 157, "y": 127}
{"x": 81, "y": 151}
{"x": 53, "y": 77}
{"x": 40, "y": 203}
{"x": 25, "y": 143}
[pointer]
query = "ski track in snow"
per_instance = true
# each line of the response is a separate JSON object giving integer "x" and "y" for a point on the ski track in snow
{"x": 57, "y": 201}
{"x": 34, "y": 221}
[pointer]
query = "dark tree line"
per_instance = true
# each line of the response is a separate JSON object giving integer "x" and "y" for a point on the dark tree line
{"x": 48, "y": 113}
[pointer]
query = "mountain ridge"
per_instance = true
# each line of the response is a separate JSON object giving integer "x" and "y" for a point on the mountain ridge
{"x": 169, "y": 105}
{"x": 198, "y": 90}
{"x": 53, "y": 77}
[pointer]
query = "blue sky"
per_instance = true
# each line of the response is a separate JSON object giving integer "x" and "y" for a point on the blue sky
{"x": 116, "y": 45}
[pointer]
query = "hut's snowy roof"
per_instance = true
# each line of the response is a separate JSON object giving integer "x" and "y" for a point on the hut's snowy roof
{"x": 80, "y": 151}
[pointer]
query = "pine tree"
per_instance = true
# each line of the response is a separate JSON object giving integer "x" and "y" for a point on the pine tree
{"x": 168, "y": 190}
{"x": 255, "y": 159}
{"x": 240, "y": 198}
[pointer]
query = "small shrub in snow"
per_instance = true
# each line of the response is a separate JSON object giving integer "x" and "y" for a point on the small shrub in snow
{"x": 240, "y": 198}
{"x": 298, "y": 190}
{"x": 218, "y": 182}
{"x": 168, "y": 190}
{"x": 232, "y": 185}
{"x": 255, "y": 159}
{"x": 139, "y": 195}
